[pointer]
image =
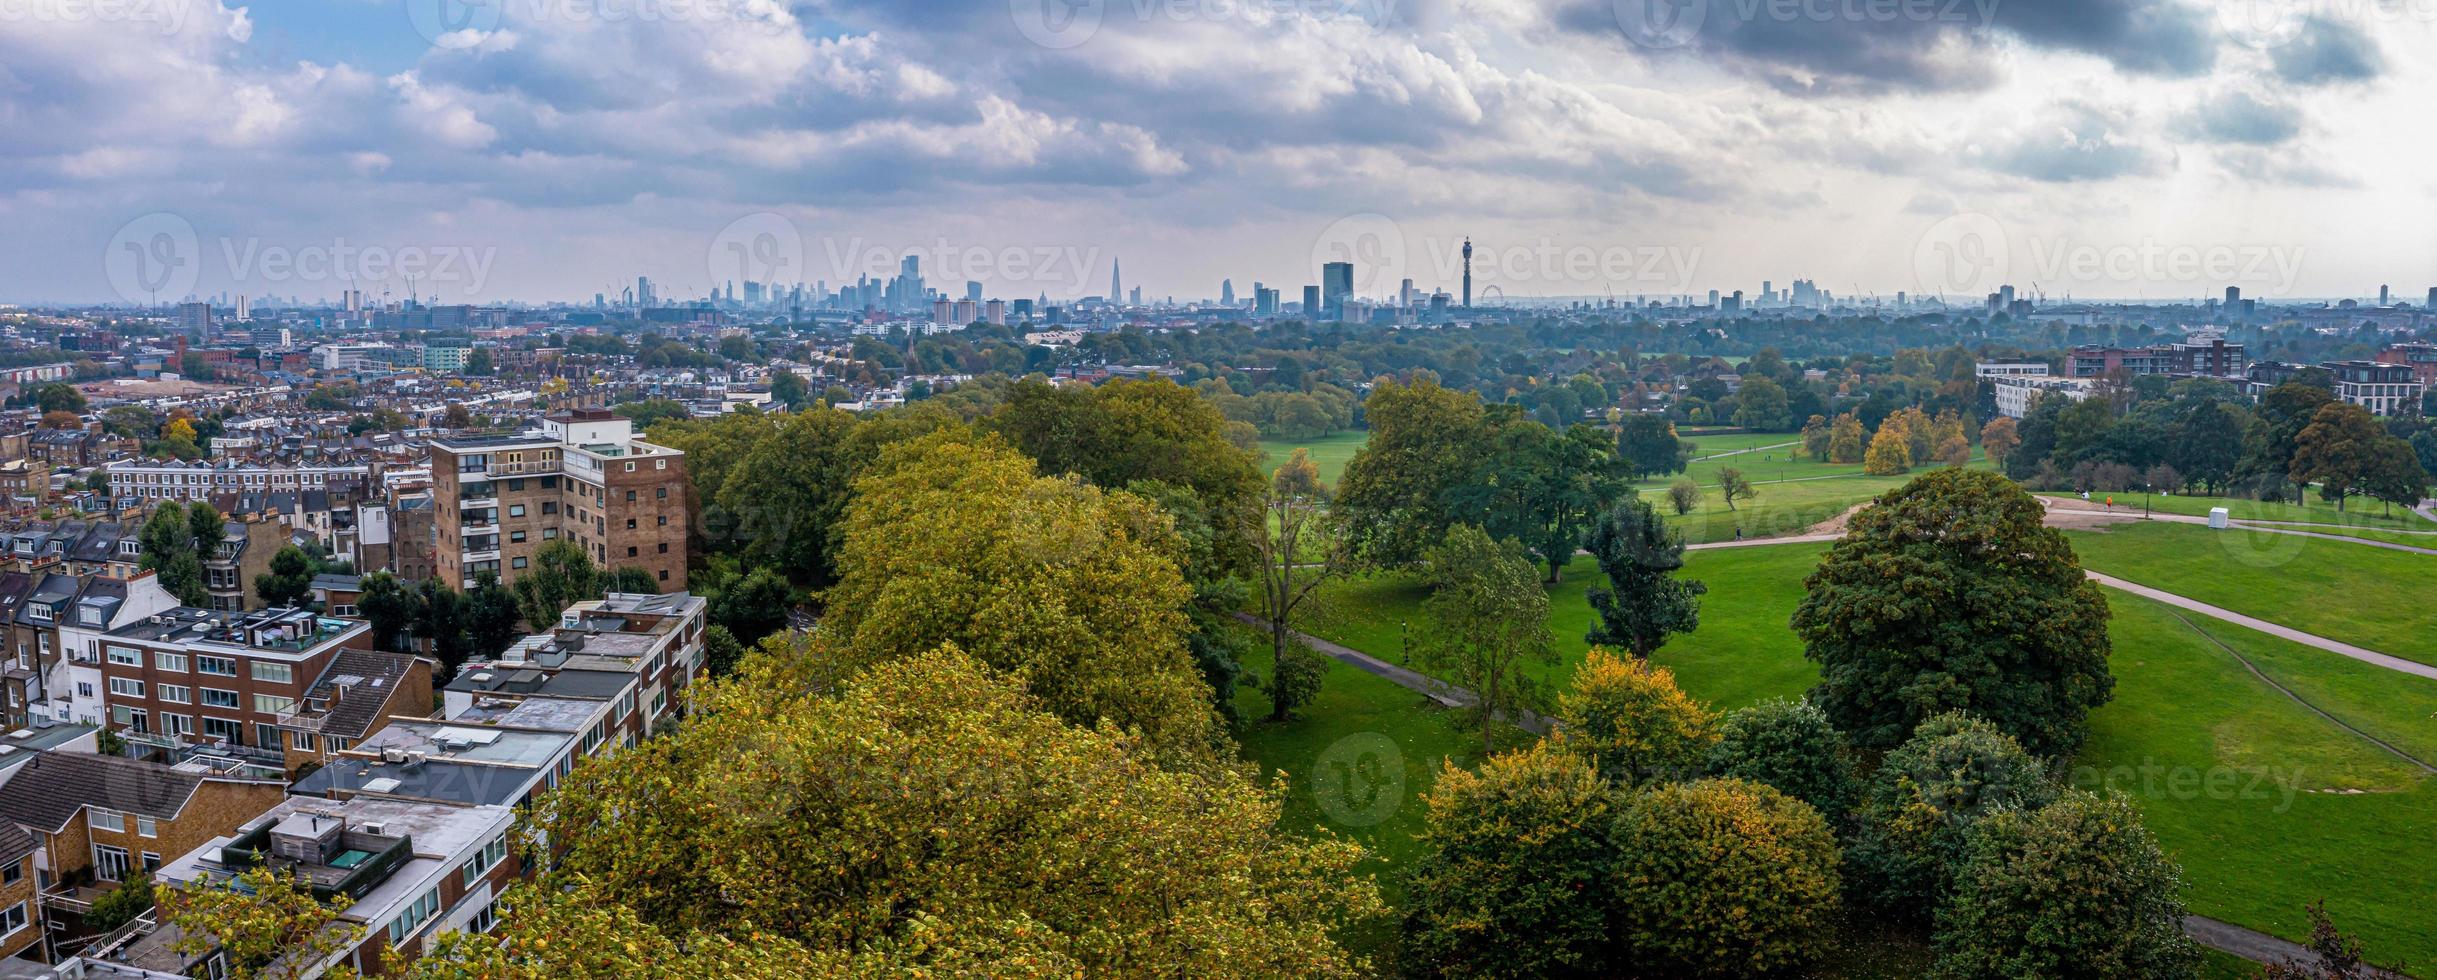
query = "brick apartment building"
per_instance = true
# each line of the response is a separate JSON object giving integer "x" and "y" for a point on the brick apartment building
{"x": 584, "y": 477}
{"x": 2210, "y": 357}
{"x": 253, "y": 684}
{"x": 2420, "y": 357}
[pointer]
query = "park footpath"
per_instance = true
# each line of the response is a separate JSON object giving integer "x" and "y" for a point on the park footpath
{"x": 2225, "y": 937}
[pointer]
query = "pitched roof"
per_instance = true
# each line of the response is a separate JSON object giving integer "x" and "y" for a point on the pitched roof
{"x": 47, "y": 790}
{"x": 15, "y": 843}
{"x": 371, "y": 676}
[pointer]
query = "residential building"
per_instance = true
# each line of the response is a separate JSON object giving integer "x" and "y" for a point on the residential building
{"x": 2421, "y": 357}
{"x": 149, "y": 480}
{"x": 645, "y": 649}
{"x": 411, "y": 870}
{"x": 49, "y": 680}
{"x": 244, "y": 551}
{"x": 2010, "y": 369}
{"x": 2015, "y": 395}
{"x": 583, "y": 476}
{"x": 2386, "y": 389}
{"x": 2200, "y": 356}
{"x": 237, "y": 682}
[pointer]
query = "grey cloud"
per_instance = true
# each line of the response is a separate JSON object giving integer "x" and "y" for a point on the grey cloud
{"x": 2328, "y": 50}
{"x": 2241, "y": 117}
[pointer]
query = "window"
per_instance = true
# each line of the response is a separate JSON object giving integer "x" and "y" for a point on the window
{"x": 222, "y": 729}
{"x": 12, "y": 918}
{"x": 517, "y": 537}
{"x": 630, "y": 496}
{"x": 272, "y": 704}
{"x": 144, "y": 827}
{"x": 274, "y": 673}
{"x": 664, "y": 544}
{"x": 491, "y": 853}
{"x": 630, "y": 523}
{"x": 110, "y": 820}
{"x": 222, "y": 666}
{"x": 517, "y": 562}
{"x": 216, "y": 698}
{"x": 177, "y": 724}
{"x": 170, "y": 662}
{"x": 152, "y": 862}
{"x": 126, "y": 687}
{"x": 664, "y": 575}
{"x": 516, "y": 510}
{"x": 126, "y": 656}
{"x": 664, "y": 520}
{"x": 660, "y": 492}
{"x": 413, "y": 918}
{"x": 14, "y": 872}
{"x": 550, "y": 534}
{"x": 630, "y": 549}
{"x": 266, "y": 735}
{"x": 174, "y": 693}
{"x": 549, "y": 507}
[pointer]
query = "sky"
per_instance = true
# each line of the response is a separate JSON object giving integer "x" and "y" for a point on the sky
{"x": 538, "y": 150}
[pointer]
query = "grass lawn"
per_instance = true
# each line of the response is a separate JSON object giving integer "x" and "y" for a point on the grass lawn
{"x": 2374, "y": 597}
{"x": 1710, "y": 445}
{"x": 1357, "y": 761}
{"x": 1330, "y": 453}
{"x": 2363, "y": 513}
{"x": 2267, "y": 805}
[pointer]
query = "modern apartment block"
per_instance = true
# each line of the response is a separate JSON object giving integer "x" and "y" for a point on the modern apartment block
{"x": 584, "y": 476}
{"x": 2210, "y": 357}
{"x": 2382, "y": 387}
{"x": 246, "y": 684}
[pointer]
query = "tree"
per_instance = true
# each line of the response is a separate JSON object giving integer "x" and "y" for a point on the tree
{"x": 2336, "y": 955}
{"x": 1817, "y": 437}
{"x": 268, "y": 925}
{"x": 1954, "y": 450}
{"x": 782, "y": 501}
{"x": 1733, "y": 485}
{"x": 2395, "y": 477}
{"x": 1760, "y": 405}
{"x": 864, "y": 818}
{"x": 628, "y": 578}
{"x": 1512, "y": 857}
{"x": 390, "y": 607}
{"x": 2284, "y": 411}
{"x": 132, "y": 898}
{"x": 1633, "y": 722}
{"x": 1950, "y": 593}
{"x": 1789, "y": 745}
{"x": 2337, "y": 450}
{"x": 1298, "y": 550}
{"x": 1916, "y": 816}
{"x": 1845, "y": 439}
{"x": 490, "y": 615}
{"x": 59, "y": 397}
{"x": 61, "y": 420}
{"x": 647, "y": 412}
{"x": 168, "y": 548}
{"x": 1424, "y": 439}
{"x": 561, "y": 574}
{"x": 1648, "y": 445}
{"x": 950, "y": 540}
{"x": 754, "y": 606}
{"x": 1487, "y": 618}
{"x": 457, "y": 417}
{"x": 789, "y": 388}
{"x": 1722, "y": 878}
{"x": 289, "y": 582}
{"x": 1644, "y": 602}
{"x": 440, "y": 618}
{"x": 2075, "y": 888}
{"x": 1890, "y": 449}
{"x": 1684, "y": 495}
{"x": 1541, "y": 488}
{"x": 2163, "y": 479}
{"x": 1999, "y": 438}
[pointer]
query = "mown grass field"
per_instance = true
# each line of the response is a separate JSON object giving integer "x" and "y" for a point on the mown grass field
{"x": 1330, "y": 453}
{"x": 2361, "y": 513}
{"x": 2373, "y": 597}
{"x": 2267, "y": 804}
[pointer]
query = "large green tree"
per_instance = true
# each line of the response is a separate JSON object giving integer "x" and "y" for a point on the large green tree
{"x": 1487, "y": 621}
{"x": 1950, "y": 593}
{"x": 956, "y": 540}
{"x": 781, "y": 502}
{"x": 1649, "y": 446}
{"x": 391, "y": 607}
{"x": 1299, "y": 549}
{"x": 289, "y": 582}
{"x": 1721, "y": 878}
{"x": 1644, "y": 602}
{"x": 1512, "y": 859}
{"x": 2077, "y": 888}
{"x": 1542, "y": 488}
{"x": 168, "y": 548}
{"x": 561, "y": 575}
{"x": 1916, "y": 816}
{"x": 1424, "y": 441}
{"x": 2338, "y": 451}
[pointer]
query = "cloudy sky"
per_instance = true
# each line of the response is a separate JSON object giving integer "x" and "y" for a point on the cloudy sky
{"x": 551, "y": 149}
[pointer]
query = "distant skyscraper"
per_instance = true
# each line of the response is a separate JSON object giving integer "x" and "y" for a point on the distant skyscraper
{"x": 643, "y": 291}
{"x": 2233, "y": 297}
{"x": 973, "y": 291}
{"x": 1226, "y": 292}
{"x": 1467, "y": 273}
{"x": 2382, "y": 296}
{"x": 195, "y": 318}
{"x": 2432, "y": 303}
{"x": 1116, "y": 283}
{"x": 1311, "y": 302}
{"x": 1336, "y": 286}
{"x": 1133, "y": 297}
{"x": 1404, "y": 295}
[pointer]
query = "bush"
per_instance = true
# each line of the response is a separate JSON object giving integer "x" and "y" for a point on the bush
{"x": 1507, "y": 882}
{"x": 131, "y": 898}
{"x": 1633, "y": 722}
{"x": 1789, "y": 746}
{"x": 1912, "y": 826}
{"x": 2076, "y": 888}
{"x": 1720, "y": 877}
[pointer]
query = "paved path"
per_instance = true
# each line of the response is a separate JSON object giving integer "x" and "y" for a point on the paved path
{"x": 1447, "y": 695}
{"x": 2306, "y": 639}
{"x": 1739, "y": 452}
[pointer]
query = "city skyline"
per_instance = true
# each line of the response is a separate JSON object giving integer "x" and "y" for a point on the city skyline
{"x": 1728, "y": 144}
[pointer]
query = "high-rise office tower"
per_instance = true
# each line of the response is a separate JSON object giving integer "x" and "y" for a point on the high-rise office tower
{"x": 1311, "y": 302}
{"x": 1404, "y": 295}
{"x": 973, "y": 291}
{"x": 1336, "y": 286}
{"x": 2382, "y": 295}
{"x": 1116, "y": 283}
{"x": 1226, "y": 292}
